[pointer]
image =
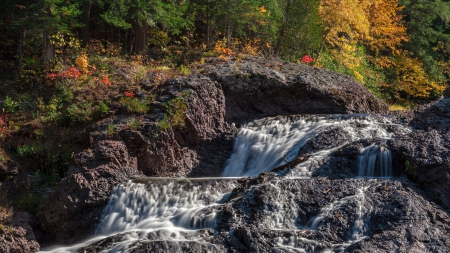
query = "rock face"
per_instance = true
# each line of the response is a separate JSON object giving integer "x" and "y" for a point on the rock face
{"x": 270, "y": 213}
{"x": 425, "y": 152}
{"x": 258, "y": 87}
{"x": 19, "y": 236}
{"x": 73, "y": 209}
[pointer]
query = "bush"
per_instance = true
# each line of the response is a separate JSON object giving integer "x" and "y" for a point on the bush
{"x": 135, "y": 105}
{"x": 175, "y": 115}
{"x": 80, "y": 113}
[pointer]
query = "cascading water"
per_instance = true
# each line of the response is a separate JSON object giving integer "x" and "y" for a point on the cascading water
{"x": 262, "y": 145}
{"x": 370, "y": 156}
{"x": 175, "y": 210}
{"x": 164, "y": 210}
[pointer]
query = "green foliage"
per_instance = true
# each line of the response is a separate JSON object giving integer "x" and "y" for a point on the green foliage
{"x": 110, "y": 130}
{"x": 101, "y": 109}
{"x": 185, "y": 70}
{"x": 300, "y": 30}
{"x": 135, "y": 105}
{"x": 174, "y": 117}
{"x": 428, "y": 25}
{"x": 33, "y": 150}
{"x": 163, "y": 124}
{"x": 133, "y": 124}
{"x": 9, "y": 104}
{"x": 80, "y": 113}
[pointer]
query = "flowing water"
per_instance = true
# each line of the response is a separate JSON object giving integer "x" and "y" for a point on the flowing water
{"x": 178, "y": 210}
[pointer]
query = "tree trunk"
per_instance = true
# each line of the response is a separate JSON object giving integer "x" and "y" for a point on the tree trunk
{"x": 208, "y": 26}
{"x": 19, "y": 58}
{"x": 85, "y": 32}
{"x": 141, "y": 40}
{"x": 228, "y": 25}
{"x": 49, "y": 50}
{"x": 282, "y": 29}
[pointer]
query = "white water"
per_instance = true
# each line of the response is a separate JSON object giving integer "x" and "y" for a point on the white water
{"x": 174, "y": 210}
{"x": 163, "y": 210}
{"x": 368, "y": 158}
{"x": 265, "y": 144}
{"x": 357, "y": 232}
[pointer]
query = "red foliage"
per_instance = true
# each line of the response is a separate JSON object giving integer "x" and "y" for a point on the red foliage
{"x": 72, "y": 72}
{"x": 129, "y": 94}
{"x": 4, "y": 132}
{"x": 307, "y": 59}
{"x": 105, "y": 80}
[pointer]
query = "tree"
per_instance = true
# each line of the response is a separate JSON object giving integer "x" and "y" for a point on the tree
{"x": 300, "y": 29}
{"x": 138, "y": 15}
{"x": 428, "y": 27}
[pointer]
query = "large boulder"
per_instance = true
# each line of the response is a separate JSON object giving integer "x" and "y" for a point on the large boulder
{"x": 257, "y": 87}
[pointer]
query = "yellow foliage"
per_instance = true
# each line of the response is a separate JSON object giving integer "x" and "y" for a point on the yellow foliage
{"x": 82, "y": 62}
{"x": 397, "y": 108}
{"x": 412, "y": 79}
{"x": 374, "y": 23}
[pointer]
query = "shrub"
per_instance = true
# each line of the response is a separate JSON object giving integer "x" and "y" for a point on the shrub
{"x": 175, "y": 117}
{"x": 101, "y": 109}
{"x": 80, "y": 113}
{"x": 110, "y": 129}
{"x": 133, "y": 124}
{"x": 9, "y": 104}
{"x": 135, "y": 105}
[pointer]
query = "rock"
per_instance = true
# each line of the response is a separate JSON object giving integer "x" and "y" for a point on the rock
{"x": 72, "y": 211}
{"x": 425, "y": 152}
{"x": 261, "y": 87}
{"x": 19, "y": 236}
{"x": 396, "y": 217}
{"x": 224, "y": 95}
{"x": 8, "y": 168}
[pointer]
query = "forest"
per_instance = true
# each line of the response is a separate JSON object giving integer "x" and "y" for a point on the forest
{"x": 66, "y": 63}
{"x": 398, "y": 49}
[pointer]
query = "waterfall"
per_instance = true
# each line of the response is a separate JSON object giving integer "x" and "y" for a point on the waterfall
{"x": 170, "y": 210}
{"x": 369, "y": 158}
{"x": 265, "y": 144}
{"x": 268, "y": 143}
{"x": 177, "y": 211}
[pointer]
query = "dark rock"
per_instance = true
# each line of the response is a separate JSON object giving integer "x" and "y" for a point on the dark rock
{"x": 73, "y": 209}
{"x": 424, "y": 154}
{"x": 19, "y": 236}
